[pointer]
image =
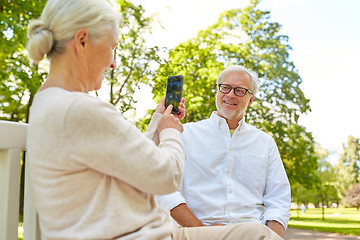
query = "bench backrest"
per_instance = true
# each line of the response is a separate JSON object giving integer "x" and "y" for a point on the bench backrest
{"x": 12, "y": 143}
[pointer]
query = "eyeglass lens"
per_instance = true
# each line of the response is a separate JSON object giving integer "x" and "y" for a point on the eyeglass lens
{"x": 239, "y": 91}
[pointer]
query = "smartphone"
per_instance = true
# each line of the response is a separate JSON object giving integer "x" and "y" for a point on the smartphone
{"x": 174, "y": 88}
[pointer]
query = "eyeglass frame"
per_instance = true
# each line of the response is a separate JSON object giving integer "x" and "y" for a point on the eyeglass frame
{"x": 231, "y": 88}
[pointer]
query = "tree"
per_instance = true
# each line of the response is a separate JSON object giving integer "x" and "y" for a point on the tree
{"x": 348, "y": 166}
{"x": 322, "y": 192}
{"x": 247, "y": 37}
{"x": 300, "y": 195}
{"x": 20, "y": 80}
{"x": 135, "y": 61}
{"x": 352, "y": 197}
{"x": 325, "y": 192}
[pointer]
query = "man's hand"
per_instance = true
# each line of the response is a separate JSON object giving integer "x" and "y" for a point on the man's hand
{"x": 181, "y": 115}
{"x": 276, "y": 227}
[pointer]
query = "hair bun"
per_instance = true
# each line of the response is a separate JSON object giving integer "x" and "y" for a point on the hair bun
{"x": 41, "y": 39}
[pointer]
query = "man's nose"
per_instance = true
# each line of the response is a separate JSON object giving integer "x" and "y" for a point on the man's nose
{"x": 232, "y": 92}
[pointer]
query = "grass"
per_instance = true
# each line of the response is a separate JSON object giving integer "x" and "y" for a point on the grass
{"x": 337, "y": 220}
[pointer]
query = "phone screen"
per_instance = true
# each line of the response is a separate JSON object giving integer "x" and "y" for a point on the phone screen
{"x": 174, "y": 89}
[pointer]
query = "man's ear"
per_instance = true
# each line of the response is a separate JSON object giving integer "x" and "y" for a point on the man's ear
{"x": 251, "y": 100}
{"x": 81, "y": 40}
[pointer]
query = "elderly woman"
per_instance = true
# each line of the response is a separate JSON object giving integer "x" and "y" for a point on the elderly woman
{"x": 94, "y": 174}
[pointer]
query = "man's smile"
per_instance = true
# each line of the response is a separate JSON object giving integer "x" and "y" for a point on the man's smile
{"x": 229, "y": 103}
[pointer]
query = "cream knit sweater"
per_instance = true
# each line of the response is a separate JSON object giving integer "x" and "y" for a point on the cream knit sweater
{"x": 94, "y": 174}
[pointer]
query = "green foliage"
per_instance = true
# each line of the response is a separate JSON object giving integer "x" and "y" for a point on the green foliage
{"x": 325, "y": 192}
{"x": 135, "y": 61}
{"x": 247, "y": 37}
{"x": 20, "y": 80}
{"x": 322, "y": 192}
{"x": 348, "y": 166}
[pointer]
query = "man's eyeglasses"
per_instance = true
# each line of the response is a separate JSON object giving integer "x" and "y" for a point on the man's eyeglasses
{"x": 239, "y": 91}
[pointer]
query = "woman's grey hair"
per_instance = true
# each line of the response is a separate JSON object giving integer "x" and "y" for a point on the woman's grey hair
{"x": 237, "y": 68}
{"x": 61, "y": 19}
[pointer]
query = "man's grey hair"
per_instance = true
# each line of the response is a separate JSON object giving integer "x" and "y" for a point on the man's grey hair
{"x": 254, "y": 87}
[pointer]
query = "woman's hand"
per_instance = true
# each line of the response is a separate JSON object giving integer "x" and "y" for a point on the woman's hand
{"x": 161, "y": 108}
{"x": 168, "y": 120}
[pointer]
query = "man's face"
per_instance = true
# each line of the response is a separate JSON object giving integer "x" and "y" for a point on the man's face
{"x": 230, "y": 106}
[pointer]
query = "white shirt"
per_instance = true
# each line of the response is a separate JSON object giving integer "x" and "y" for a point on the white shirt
{"x": 230, "y": 179}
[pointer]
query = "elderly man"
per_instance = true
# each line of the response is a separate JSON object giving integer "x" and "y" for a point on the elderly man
{"x": 233, "y": 171}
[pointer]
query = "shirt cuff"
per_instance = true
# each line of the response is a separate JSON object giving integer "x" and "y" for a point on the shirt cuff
{"x": 171, "y": 200}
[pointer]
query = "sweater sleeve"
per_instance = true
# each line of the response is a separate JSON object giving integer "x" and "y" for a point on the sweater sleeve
{"x": 151, "y": 132}
{"x": 101, "y": 139}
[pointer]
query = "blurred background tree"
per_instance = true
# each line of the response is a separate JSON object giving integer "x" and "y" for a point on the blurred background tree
{"x": 136, "y": 63}
{"x": 324, "y": 192}
{"x": 348, "y": 167}
{"x": 20, "y": 80}
{"x": 352, "y": 196}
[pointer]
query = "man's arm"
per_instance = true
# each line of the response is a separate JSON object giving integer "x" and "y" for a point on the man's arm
{"x": 183, "y": 216}
{"x": 277, "y": 194}
{"x": 276, "y": 227}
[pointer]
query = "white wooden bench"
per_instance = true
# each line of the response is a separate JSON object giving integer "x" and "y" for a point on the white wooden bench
{"x": 12, "y": 143}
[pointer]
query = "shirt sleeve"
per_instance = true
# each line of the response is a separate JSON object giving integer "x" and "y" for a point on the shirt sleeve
{"x": 171, "y": 200}
{"x": 102, "y": 140}
{"x": 277, "y": 197}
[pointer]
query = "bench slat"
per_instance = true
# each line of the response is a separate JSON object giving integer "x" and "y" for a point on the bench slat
{"x": 12, "y": 142}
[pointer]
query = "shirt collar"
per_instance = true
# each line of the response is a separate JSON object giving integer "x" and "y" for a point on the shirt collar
{"x": 221, "y": 122}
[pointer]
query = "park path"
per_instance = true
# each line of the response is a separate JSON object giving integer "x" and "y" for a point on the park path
{"x": 302, "y": 234}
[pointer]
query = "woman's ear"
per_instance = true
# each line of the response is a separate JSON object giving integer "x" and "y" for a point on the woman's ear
{"x": 81, "y": 40}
